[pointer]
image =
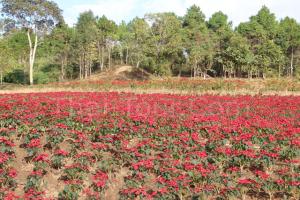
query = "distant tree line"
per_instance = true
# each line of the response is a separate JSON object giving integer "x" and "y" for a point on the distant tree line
{"x": 38, "y": 46}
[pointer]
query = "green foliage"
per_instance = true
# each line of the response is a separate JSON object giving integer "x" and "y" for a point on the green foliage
{"x": 34, "y": 14}
{"x": 48, "y": 74}
{"x": 166, "y": 40}
{"x": 269, "y": 56}
{"x": 86, "y": 27}
{"x": 17, "y": 76}
{"x": 68, "y": 194}
{"x": 162, "y": 43}
{"x": 198, "y": 41}
{"x": 37, "y": 17}
{"x": 267, "y": 20}
{"x": 139, "y": 33}
{"x": 236, "y": 55}
{"x": 219, "y": 22}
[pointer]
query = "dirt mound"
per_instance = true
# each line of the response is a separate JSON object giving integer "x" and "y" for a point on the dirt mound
{"x": 125, "y": 72}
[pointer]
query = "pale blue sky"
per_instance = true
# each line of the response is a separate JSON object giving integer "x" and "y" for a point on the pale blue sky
{"x": 237, "y": 10}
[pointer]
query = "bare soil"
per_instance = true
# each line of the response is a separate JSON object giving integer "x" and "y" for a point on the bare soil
{"x": 124, "y": 72}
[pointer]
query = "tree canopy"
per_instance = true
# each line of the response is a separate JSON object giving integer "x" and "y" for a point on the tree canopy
{"x": 161, "y": 43}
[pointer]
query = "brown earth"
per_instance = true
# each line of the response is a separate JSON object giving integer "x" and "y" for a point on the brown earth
{"x": 52, "y": 182}
{"x": 122, "y": 72}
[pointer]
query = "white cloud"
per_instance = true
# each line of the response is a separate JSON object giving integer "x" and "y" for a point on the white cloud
{"x": 237, "y": 10}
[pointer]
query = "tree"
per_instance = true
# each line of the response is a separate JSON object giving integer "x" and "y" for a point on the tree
{"x": 253, "y": 31}
{"x": 261, "y": 32}
{"x": 86, "y": 30}
{"x": 236, "y": 58}
{"x": 4, "y": 58}
{"x": 162, "y": 43}
{"x": 222, "y": 32}
{"x": 140, "y": 33}
{"x": 37, "y": 17}
{"x": 270, "y": 57}
{"x": 13, "y": 53}
{"x": 124, "y": 36}
{"x": 267, "y": 20}
{"x": 219, "y": 23}
{"x": 198, "y": 41}
{"x": 165, "y": 42}
{"x": 194, "y": 16}
{"x": 6, "y": 25}
{"x": 107, "y": 39}
{"x": 60, "y": 42}
{"x": 289, "y": 39}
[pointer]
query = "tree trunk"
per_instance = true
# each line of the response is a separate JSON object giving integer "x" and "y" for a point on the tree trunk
{"x": 32, "y": 54}
{"x": 292, "y": 62}
{"x": 206, "y": 73}
{"x": 90, "y": 68}
{"x": 62, "y": 69}
{"x": 180, "y": 71}
{"x": 127, "y": 55}
{"x": 80, "y": 67}
{"x": 1, "y": 77}
{"x": 138, "y": 64}
{"x": 223, "y": 71}
{"x": 85, "y": 72}
{"x": 121, "y": 56}
{"x": 66, "y": 65}
{"x": 99, "y": 54}
{"x": 33, "y": 57}
{"x": 102, "y": 58}
{"x": 89, "y": 64}
{"x": 85, "y": 66}
{"x": 109, "y": 58}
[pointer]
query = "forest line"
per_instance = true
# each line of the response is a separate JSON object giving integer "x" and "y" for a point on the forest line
{"x": 39, "y": 47}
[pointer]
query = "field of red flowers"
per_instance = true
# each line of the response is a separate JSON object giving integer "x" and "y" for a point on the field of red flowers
{"x": 186, "y": 84}
{"x": 149, "y": 146}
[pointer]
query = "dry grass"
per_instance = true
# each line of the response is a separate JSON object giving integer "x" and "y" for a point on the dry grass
{"x": 123, "y": 72}
{"x": 151, "y": 91}
{"x": 105, "y": 82}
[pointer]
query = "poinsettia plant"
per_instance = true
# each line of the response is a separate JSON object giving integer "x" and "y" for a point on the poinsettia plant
{"x": 154, "y": 146}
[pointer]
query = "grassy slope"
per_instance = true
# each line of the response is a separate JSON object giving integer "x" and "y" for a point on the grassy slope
{"x": 171, "y": 85}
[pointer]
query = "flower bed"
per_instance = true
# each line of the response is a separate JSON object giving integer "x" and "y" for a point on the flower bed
{"x": 169, "y": 146}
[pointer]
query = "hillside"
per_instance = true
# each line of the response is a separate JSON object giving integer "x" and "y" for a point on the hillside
{"x": 122, "y": 73}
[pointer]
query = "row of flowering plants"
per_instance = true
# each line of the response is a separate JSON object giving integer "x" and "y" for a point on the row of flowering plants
{"x": 170, "y": 146}
{"x": 7, "y": 171}
{"x": 186, "y": 84}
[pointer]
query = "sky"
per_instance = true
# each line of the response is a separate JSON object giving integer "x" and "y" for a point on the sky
{"x": 118, "y": 10}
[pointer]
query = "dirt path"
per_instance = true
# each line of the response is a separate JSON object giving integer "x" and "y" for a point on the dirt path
{"x": 23, "y": 168}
